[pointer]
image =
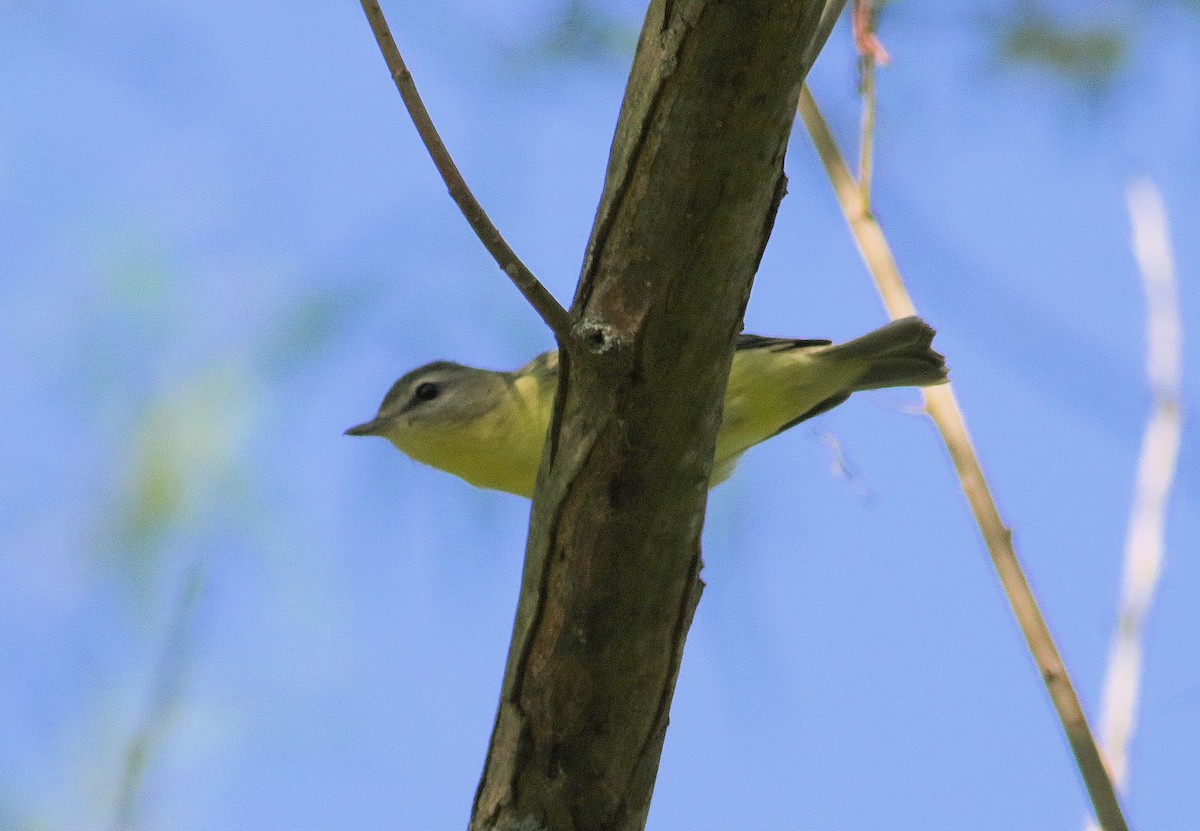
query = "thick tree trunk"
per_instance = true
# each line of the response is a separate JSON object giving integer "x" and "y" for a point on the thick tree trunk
{"x": 613, "y": 560}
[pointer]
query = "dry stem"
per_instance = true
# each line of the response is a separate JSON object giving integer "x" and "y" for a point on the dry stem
{"x": 942, "y": 407}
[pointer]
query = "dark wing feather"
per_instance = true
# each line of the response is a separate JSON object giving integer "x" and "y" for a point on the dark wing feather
{"x": 824, "y": 407}
{"x": 776, "y": 344}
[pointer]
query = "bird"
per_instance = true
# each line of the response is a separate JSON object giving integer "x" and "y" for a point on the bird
{"x": 489, "y": 427}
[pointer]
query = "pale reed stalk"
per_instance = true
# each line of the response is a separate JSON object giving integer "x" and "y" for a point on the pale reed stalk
{"x": 943, "y": 409}
{"x": 1144, "y": 544}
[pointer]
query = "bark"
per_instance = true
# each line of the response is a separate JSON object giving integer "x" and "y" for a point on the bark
{"x": 612, "y": 572}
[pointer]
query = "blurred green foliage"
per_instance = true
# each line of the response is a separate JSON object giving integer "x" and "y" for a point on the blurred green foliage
{"x": 310, "y": 326}
{"x": 577, "y": 31}
{"x": 183, "y": 454}
{"x": 586, "y": 29}
{"x": 183, "y": 463}
{"x": 1090, "y": 55}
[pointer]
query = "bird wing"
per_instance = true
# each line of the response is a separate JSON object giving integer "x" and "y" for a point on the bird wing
{"x": 776, "y": 344}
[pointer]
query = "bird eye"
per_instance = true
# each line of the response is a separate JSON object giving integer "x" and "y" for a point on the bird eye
{"x": 426, "y": 391}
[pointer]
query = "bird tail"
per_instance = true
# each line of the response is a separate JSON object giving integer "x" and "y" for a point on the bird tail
{"x": 899, "y": 354}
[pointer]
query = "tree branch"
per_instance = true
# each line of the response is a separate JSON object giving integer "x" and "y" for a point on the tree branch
{"x": 943, "y": 408}
{"x": 612, "y": 565}
{"x": 543, "y": 302}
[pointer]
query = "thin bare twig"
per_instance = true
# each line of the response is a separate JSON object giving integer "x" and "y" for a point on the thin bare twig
{"x": 543, "y": 302}
{"x": 866, "y": 142}
{"x": 871, "y": 55}
{"x": 1156, "y": 470}
{"x": 942, "y": 407}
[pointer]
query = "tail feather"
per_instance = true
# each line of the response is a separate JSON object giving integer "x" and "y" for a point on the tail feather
{"x": 899, "y": 354}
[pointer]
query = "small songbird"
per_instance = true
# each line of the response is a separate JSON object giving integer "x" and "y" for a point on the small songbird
{"x": 489, "y": 427}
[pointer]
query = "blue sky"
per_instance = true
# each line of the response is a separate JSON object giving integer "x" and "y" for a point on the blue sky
{"x": 220, "y": 242}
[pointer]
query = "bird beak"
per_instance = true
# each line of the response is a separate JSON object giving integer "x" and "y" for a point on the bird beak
{"x": 369, "y": 428}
